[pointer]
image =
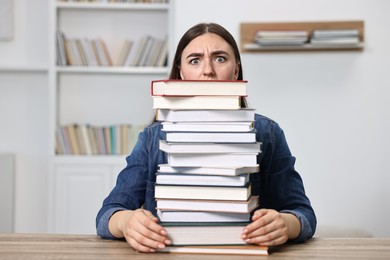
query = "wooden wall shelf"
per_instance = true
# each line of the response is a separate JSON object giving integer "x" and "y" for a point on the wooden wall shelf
{"x": 249, "y": 30}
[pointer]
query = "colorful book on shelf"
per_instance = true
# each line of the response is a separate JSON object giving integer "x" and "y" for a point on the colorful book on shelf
{"x": 212, "y": 159}
{"x": 226, "y": 171}
{"x": 219, "y": 250}
{"x": 203, "y": 192}
{"x": 192, "y": 147}
{"x": 208, "y": 126}
{"x": 196, "y": 102}
{"x": 201, "y": 115}
{"x": 209, "y": 205}
{"x": 196, "y": 179}
{"x": 201, "y": 216}
{"x": 212, "y": 137}
{"x": 199, "y": 87}
{"x": 205, "y": 233}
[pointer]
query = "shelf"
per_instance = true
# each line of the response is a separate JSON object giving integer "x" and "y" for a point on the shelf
{"x": 23, "y": 68}
{"x": 253, "y": 47}
{"x": 96, "y": 159}
{"x": 114, "y": 70}
{"x": 249, "y": 30}
{"x": 115, "y": 6}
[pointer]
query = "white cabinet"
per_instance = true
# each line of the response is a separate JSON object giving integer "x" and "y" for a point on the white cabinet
{"x": 78, "y": 189}
{"x": 96, "y": 95}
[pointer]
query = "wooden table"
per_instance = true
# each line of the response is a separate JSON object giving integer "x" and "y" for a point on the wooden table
{"x": 50, "y": 246}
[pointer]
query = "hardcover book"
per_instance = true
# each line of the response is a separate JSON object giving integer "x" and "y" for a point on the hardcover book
{"x": 204, "y": 115}
{"x": 209, "y": 205}
{"x": 196, "y": 179}
{"x": 228, "y": 171}
{"x": 198, "y": 87}
{"x": 222, "y": 249}
{"x": 201, "y": 216}
{"x": 209, "y": 147}
{"x": 197, "y": 102}
{"x": 207, "y": 126}
{"x": 205, "y": 233}
{"x": 203, "y": 192}
{"x": 212, "y": 137}
{"x": 212, "y": 159}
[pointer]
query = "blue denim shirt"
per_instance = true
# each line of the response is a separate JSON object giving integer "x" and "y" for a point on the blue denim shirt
{"x": 279, "y": 186}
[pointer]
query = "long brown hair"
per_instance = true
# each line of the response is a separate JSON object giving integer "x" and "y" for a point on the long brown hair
{"x": 196, "y": 31}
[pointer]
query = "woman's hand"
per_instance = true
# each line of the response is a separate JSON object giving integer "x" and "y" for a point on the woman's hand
{"x": 140, "y": 229}
{"x": 271, "y": 228}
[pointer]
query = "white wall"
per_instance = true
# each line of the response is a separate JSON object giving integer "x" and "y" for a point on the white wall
{"x": 333, "y": 106}
{"x": 24, "y": 111}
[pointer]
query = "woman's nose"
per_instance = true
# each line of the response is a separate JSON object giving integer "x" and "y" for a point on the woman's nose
{"x": 208, "y": 69}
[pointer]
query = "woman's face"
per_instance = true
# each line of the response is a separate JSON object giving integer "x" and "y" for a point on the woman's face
{"x": 208, "y": 57}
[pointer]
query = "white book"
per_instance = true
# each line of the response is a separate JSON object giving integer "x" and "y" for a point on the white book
{"x": 282, "y": 34}
{"x": 210, "y": 147}
{"x": 217, "y": 249}
{"x": 201, "y": 115}
{"x": 209, "y": 205}
{"x": 282, "y": 41}
{"x": 212, "y": 159}
{"x": 198, "y": 87}
{"x": 224, "y": 170}
{"x": 196, "y": 102}
{"x": 201, "y": 233}
{"x": 203, "y": 192}
{"x": 207, "y": 126}
{"x": 196, "y": 179}
{"x": 335, "y": 41}
{"x": 335, "y": 33}
{"x": 213, "y": 137}
{"x": 200, "y": 216}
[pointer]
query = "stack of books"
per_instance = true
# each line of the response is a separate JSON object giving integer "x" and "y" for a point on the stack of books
{"x": 281, "y": 38}
{"x": 203, "y": 193}
{"x": 335, "y": 38}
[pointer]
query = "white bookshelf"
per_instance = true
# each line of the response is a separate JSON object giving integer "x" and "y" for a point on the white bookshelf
{"x": 24, "y": 68}
{"x": 96, "y": 95}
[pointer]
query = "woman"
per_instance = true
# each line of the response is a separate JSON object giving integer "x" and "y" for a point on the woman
{"x": 209, "y": 52}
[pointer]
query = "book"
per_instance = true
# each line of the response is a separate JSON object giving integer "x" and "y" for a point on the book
{"x": 212, "y": 137}
{"x": 196, "y": 102}
{"x": 212, "y": 159}
{"x": 200, "y": 115}
{"x": 203, "y": 192}
{"x": 207, "y": 126}
{"x": 338, "y": 41}
{"x": 217, "y": 249}
{"x": 210, "y": 147}
{"x": 209, "y": 205}
{"x": 196, "y": 179}
{"x": 205, "y": 233}
{"x": 198, "y": 87}
{"x": 201, "y": 216}
{"x": 326, "y": 33}
{"x": 228, "y": 171}
{"x": 282, "y": 34}
{"x": 281, "y": 37}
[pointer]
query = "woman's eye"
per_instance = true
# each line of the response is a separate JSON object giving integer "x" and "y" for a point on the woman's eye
{"x": 194, "y": 61}
{"x": 220, "y": 59}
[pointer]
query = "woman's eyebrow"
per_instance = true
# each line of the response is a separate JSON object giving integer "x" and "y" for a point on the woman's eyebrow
{"x": 195, "y": 54}
{"x": 214, "y": 53}
{"x": 219, "y": 52}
